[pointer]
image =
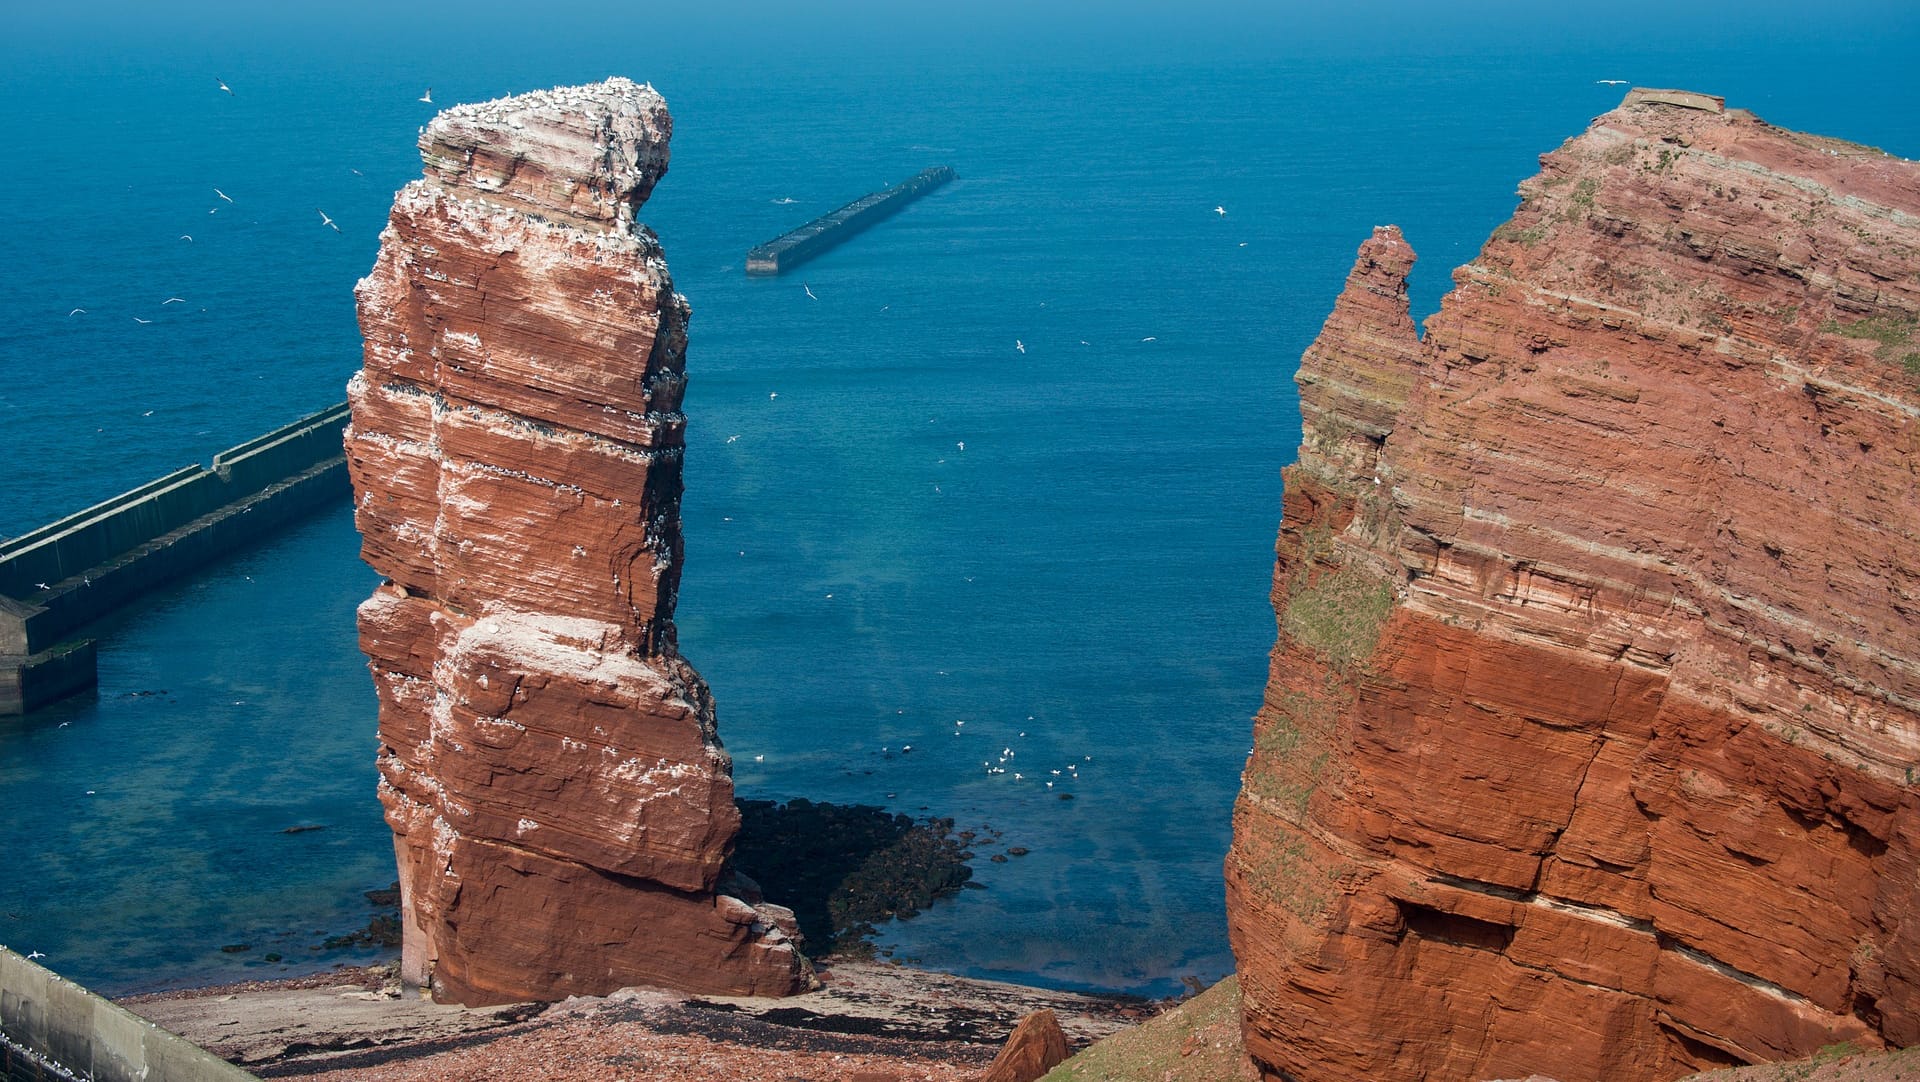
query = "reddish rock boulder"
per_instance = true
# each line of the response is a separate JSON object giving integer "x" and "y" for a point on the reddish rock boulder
{"x": 1037, "y": 1045}
{"x": 561, "y": 805}
{"x": 1590, "y": 738}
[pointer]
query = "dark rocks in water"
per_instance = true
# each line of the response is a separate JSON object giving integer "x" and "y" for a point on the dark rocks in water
{"x": 382, "y": 931}
{"x": 1018, "y": 851}
{"x": 843, "y": 868}
{"x": 304, "y": 828}
{"x": 236, "y": 948}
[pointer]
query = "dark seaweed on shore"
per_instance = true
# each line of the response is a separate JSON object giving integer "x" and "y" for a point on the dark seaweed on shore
{"x": 843, "y": 868}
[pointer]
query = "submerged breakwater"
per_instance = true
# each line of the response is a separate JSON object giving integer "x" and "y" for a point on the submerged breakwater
{"x": 791, "y": 249}
{"x": 63, "y": 576}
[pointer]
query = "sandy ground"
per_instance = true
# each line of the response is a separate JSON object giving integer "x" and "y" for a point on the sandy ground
{"x": 1833, "y": 1065}
{"x": 869, "y": 1022}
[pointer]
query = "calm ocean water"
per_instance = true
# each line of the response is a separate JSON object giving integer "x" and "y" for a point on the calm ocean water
{"x": 1068, "y": 549}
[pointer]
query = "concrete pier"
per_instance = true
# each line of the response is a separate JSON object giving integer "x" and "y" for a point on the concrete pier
{"x": 52, "y": 1028}
{"x": 791, "y": 249}
{"x": 63, "y": 576}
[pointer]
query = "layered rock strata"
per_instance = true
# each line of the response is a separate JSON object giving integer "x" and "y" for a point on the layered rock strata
{"x": 561, "y": 805}
{"x": 1590, "y": 738}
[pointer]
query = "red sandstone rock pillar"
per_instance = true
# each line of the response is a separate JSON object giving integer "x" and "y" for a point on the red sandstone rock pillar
{"x": 1591, "y": 737}
{"x": 560, "y": 802}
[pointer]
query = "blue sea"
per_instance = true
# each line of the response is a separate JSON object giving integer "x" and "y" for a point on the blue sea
{"x": 901, "y": 529}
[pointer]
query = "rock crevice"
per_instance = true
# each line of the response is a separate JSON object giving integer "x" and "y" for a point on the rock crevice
{"x": 561, "y": 805}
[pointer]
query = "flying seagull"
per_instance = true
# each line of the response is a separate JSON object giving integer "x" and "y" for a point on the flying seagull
{"x": 137, "y": 319}
{"x": 809, "y": 290}
{"x": 225, "y": 87}
{"x": 173, "y": 300}
{"x": 76, "y": 312}
{"x": 186, "y": 238}
{"x": 1221, "y": 211}
{"x": 223, "y": 195}
{"x": 31, "y": 955}
{"x": 1611, "y": 82}
{"x": 1019, "y": 345}
{"x": 326, "y": 221}
{"x": 428, "y": 96}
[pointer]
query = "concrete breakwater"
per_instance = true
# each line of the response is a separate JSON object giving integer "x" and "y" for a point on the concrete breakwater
{"x": 51, "y": 1028}
{"x": 63, "y": 576}
{"x": 791, "y": 249}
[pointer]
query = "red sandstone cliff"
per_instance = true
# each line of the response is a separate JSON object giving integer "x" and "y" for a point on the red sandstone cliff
{"x": 560, "y": 802}
{"x": 1590, "y": 738}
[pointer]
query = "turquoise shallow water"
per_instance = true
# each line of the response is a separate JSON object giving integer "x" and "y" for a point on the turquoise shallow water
{"x": 1084, "y": 582}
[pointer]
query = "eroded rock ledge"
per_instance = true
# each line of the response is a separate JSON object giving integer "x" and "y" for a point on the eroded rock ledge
{"x": 561, "y": 805}
{"x": 1589, "y": 744}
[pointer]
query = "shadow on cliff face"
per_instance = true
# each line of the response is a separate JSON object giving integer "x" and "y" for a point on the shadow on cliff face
{"x": 842, "y": 868}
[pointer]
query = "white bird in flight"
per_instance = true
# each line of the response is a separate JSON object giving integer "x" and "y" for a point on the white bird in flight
{"x": 137, "y": 319}
{"x": 76, "y": 312}
{"x": 1611, "y": 82}
{"x": 223, "y": 85}
{"x": 326, "y": 221}
{"x": 31, "y": 955}
{"x": 730, "y": 439}
{"x": 1019, "y": 345}
{"x": 1149, "y": 338}
{"x": 1221, "y": 211}
{"x": 809, "y": 290}
{"x": 784, "y": 200}
{"x": 428, "y": 96}
{"x": 771, "y": 395}
{"x": 187, "y": 238}
{"x": 223, "y": 195}
{"x": 174, "y": 300}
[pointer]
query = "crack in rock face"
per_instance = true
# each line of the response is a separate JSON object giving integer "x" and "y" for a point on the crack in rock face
{"x": 551, "y": 767}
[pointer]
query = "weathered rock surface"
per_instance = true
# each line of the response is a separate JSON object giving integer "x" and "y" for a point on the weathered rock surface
{"x": 1037, "y": 1045}
{"x": 560, "y": 801}
{"x": 1589, "y": 743}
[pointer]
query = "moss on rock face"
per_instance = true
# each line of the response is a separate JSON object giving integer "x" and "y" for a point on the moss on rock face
{"x": 1339, "y": 614}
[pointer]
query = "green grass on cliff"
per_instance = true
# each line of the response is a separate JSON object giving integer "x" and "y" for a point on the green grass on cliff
{"x": 1198, "y": 1041}
{"x": 1898, "y": 338}
{"x": 1340, "y": 614}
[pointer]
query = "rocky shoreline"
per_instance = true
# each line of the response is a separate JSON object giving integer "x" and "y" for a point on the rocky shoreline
{"x": 870, "y": 1020}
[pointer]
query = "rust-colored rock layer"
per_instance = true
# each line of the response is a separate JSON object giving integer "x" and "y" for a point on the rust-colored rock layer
{"x": 1589, "y": 743}
{"x": 560, "y": 802}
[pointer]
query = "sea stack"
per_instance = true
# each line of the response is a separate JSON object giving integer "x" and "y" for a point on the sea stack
{"x": 561, "y": 806}
{"x": 1590, "y": 742}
